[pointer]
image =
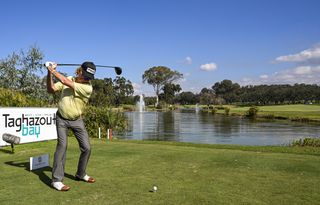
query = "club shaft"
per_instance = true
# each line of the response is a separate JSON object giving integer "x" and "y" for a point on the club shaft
{"x": 64, "y": 64}
{"x": 101, "y": 66}
{"x": 118, "y": 70}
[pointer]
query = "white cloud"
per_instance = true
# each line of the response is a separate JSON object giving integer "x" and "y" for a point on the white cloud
{"x": 209, "y": 67}
{"x": 264, "y": 76}
{"x": 307, "y": 69}
{"x": 310, "y": 54}
{"x": 302, "y": 74}
{"x": 302, "y": 70}
{"x": 144, "y": 89}
{"x": 187, "y": 60}
{"x": 136, "y": 88}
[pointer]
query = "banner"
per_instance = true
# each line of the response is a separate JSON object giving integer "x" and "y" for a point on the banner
{"x": 30, "y": 124}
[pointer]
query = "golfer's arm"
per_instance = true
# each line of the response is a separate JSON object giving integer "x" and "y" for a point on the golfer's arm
{"x": 50, "y": 84}
{"x": 64, "y": 80}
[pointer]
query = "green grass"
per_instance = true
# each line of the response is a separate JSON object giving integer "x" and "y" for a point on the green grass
{"x": 293, "y": 112}
{"x": 185, "y": 173}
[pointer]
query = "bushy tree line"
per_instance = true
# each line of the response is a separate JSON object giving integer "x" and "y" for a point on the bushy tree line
{"x": 108, "y": 92}
{"x": 227, "y": 92}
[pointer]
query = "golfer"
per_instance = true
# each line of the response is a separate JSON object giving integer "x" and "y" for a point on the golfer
{"x": 75, "y": 94}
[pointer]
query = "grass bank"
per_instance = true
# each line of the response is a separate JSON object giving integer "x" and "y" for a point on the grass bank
{"x": 185, "y": 173}
{"x": 297, "y": 112}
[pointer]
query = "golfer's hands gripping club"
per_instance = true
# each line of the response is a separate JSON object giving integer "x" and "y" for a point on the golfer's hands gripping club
{"x": 51, "y": 66}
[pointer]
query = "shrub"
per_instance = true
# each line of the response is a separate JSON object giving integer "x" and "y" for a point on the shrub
{"x": 301, "y": 119}
{"x": 161, "y": 105}
{"x": 12, "y": 98}
{"x": 227, "y": 110}
{"x": 172, "y": 107}
{"x": 269, "y": 116}
{"x": 105, "y": 119}
{"x": 311, "y": 142}
{"x": 128, "y": 107}
{"x": 214, "y": 110}
{"x": 252, "y": 112}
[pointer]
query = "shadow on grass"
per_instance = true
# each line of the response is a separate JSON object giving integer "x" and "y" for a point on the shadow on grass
{"x": 40, "y": 172}
{"x": 6, "y": 151}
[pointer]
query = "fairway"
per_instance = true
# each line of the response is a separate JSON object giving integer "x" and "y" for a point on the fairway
{"x": 184, "y": 173}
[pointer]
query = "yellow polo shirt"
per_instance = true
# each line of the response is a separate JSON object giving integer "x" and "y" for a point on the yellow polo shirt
{"x": 72, "y": 102}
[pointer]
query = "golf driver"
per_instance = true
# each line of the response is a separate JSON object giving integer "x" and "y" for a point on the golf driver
{"x": 117, "y": 69}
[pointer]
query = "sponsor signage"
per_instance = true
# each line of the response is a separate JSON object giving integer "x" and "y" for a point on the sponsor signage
{"x": 39, "y": 162}
{"x": 30, "y": 124}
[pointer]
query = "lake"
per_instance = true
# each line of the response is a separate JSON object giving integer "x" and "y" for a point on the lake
{"x": 198, "y": 127}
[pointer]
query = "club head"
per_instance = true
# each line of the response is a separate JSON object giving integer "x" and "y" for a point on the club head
{"x": 118, "y": 70}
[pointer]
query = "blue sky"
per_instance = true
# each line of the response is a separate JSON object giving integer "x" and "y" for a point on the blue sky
{"x": 246, "y": 41}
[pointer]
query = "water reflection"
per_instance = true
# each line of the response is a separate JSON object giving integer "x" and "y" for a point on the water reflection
{"x": 189, "y": 126}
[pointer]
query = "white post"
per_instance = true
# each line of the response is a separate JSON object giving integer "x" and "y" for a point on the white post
{"x": 108, "y": 133}
{"x": 99, "y": 133}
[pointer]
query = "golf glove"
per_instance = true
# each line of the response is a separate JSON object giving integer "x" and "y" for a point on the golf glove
{"x": 48, "y": 64}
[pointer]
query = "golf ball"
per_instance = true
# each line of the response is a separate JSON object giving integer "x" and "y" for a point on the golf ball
{"x": 155, "y": 188}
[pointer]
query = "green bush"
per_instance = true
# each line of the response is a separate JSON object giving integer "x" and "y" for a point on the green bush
{"x": 214, "y": 110}
{"x": 12, "y": 98}
{"x": 227, "y": 110}
{"x": 300, "y": 119}
{"x": 129, "y": 107}
{"x": 252, "y": 112}
{"x": 161, "y": 105}
{"x": 172, "y": 107}
{"x": 104, "y": 118}
{"x": 269, "y": 116}
{"x": 311, "y": 142}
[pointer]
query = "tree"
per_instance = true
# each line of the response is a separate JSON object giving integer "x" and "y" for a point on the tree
{"x": 9, "y": 73}
{"x": 207, "y": 96}
{"x": 169, "y": 91}
{"x": 103, "y": 92}
{"x": 187, "y": 98}
{"x": 149, "y": 100}
{"x": 123, "y": 88}
{"x": 159, "y": 76}
{"x": 227, "y": 90}
{"x": 19, "y": 72}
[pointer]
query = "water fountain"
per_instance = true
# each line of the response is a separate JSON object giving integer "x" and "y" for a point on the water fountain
{"x": 197, "y": 108}
{"x": 140, "y": 106}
